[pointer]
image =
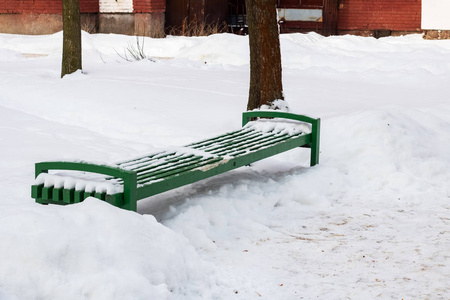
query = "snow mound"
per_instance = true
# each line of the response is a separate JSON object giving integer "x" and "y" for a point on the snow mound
{"x": 93, "y": 250}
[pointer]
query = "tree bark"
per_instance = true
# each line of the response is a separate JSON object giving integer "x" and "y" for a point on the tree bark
{"x": 330, "y": 17}
{"x": 71, "y": 58}
{"x": 265, "y": 57}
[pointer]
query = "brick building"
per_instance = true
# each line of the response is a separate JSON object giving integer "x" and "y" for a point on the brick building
{"x": 150, "y": 17}
{"x": 117, "y": 16}
{"x": 363, "y": 17}
{"x": 380, "y": 15}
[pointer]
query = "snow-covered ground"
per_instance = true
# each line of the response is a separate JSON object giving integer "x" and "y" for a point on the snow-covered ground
{"x": 371, "y": 221}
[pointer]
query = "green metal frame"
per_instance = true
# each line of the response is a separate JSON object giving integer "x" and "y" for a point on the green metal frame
{"x": 128, "y": 200}
{"x": 132, "y": 192}
{"x": 314, "y": 144}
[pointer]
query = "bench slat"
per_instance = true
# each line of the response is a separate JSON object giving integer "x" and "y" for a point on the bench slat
{"x": 137, "y": 163}
{"x": 244, "y": 144}
{"x": 217, "y": 139}
{"x": 68, "y": 196}
{"x": 167, "y": 167}
{"x": 162, "y": 163}
{"x": 181, "y": 170}
{"x": 231, "y": 142}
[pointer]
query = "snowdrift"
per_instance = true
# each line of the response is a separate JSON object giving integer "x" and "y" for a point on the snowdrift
{"x": 369, "y": 222}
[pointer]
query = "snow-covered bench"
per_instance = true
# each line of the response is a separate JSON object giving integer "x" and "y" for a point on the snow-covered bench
{"x": 123, "y": 184}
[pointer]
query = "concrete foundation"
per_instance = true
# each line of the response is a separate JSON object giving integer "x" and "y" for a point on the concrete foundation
{"x": 30, "y": 23}
{"x": 151, "y": 25}
{"x": 436, "y": 34}
{"x": 116, "y": 23}
{"x": 377, "y": 33}
{"x": 36, "y": 24}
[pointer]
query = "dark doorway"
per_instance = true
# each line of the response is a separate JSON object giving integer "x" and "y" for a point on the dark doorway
{"x": 183, "y": 13}
{"x": 237, "y": 16}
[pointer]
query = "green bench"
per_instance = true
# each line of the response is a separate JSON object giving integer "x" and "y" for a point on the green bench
{"x": 264, "y": 134}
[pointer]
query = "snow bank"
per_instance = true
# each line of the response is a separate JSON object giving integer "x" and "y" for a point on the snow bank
{"x": 93, "y": 251}
{"x": 369, "y": 222}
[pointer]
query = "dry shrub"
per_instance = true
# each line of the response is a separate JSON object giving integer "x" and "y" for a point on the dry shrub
{"x": 195, "y": 28}
{"x": 134, "y": 52}
{"x": 89, "y": 24}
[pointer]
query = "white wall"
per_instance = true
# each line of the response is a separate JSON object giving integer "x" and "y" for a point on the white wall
{"x": 116, "y": 6}
{"x": 436, "y": 14}
{"x": 290, "y": 14}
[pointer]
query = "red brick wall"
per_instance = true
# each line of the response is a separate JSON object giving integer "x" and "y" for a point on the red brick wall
{"x": 30, "y": 6}
{"x": 380, "y": 14}
{"x": 147, "y": 6}
{"x": 299, "y": 3}
{"x": 44, "y": 6}
{"x": 86, "y": 6}
{"x": 89, "y": 6}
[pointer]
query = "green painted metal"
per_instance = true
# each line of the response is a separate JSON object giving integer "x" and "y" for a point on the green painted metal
{"x": 128, "y": 177}
{"x": 159, "y": 172}
{"x": 315, "y": 128}
{"x": 219, "y": 167}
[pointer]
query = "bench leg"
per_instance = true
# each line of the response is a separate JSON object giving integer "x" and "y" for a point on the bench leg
{"x": 315, "y": 142}
{"x": 314, "y": 155}
{"x": 130, "y": 192}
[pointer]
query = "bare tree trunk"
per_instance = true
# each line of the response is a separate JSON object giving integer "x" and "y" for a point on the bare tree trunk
{"x": 330, "y": 17}
{"x": 265, "y": 57}
{"x": 71, "y": 59}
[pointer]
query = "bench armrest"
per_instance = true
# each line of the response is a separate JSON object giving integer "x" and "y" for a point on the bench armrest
{"x": 315, "y": 126}
{"x": 129, "y": 177}
{"x": 248, "y": 115}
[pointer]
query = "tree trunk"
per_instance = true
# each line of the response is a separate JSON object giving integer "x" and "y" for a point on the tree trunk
{"x": 71, "y": 59}
{"x": 265, "y": 57}
{"x": 330, "y": 17}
